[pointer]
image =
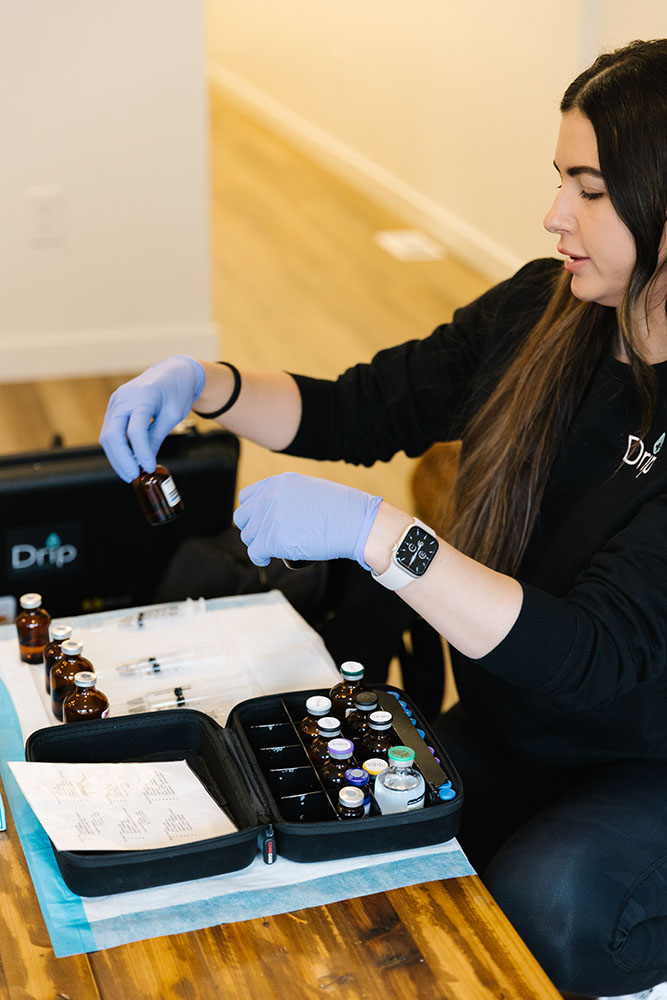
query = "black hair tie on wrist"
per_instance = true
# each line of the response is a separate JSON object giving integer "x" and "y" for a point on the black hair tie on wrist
{"x": 232, "y": 399}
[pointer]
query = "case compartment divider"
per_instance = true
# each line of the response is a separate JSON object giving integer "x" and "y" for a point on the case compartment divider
{"x": 431, "y": 771}
{"x": 325, "y": 790}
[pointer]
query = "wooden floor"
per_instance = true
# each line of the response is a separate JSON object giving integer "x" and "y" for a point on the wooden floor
{"x": 298, "y": 284}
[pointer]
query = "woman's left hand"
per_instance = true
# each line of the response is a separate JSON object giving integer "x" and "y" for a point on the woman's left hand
{"x": 297, "y": 517}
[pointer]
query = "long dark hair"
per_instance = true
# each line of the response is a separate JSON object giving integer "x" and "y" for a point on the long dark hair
{"x": 511, "y": 443}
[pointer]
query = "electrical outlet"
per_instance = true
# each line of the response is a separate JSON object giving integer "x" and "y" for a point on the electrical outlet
{"x": 45, "y": 215}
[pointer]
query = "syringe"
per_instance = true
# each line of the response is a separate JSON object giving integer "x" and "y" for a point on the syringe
{"x": 167, "y": 662}
{"x": 161, "y": 615}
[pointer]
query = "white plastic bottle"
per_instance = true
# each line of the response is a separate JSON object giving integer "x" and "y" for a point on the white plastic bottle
{"x": 400, "y": 787}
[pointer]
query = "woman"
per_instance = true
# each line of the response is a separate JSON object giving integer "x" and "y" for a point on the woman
{"x": 550, "y": 588}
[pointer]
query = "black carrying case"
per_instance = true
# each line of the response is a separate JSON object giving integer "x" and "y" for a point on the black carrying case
{"x": 71, "y": 530}
{"x": 257, "y": 769}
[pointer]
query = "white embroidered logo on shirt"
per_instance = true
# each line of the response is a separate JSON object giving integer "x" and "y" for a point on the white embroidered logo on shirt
{"x": 639, "y": 455}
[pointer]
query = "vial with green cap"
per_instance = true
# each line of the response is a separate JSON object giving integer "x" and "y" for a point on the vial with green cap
{"x": 400, "y": 787}
{"x": 342, "y": 694}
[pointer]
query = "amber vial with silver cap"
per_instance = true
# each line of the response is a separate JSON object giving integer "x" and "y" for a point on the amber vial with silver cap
{"x": 356, "y": 722}
{"x": 158, "y": 496}
{"x": 328, "y": 728}
{"x": 32, "y": 625}
{"x": 317, "y": 706}
{"x": 379, "y": 738}
{"x": 85, "y": 701}
{"x": 64, "y": 671}
{"x": 350, "y": 803}
{"x": 53, "y": 652}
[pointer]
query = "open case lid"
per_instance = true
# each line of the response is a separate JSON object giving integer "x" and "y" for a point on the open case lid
{"x": 179, "y": 734}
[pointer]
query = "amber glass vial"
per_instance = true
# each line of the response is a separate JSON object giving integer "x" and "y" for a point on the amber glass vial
{"x": 85, "y": 701}
{"x": 328, "y": 728}
{"x": 317, "y": 707}
{"x": 52, "y": 651}
{"x": 339, "y": 759}
{"x": 351, "y": 803}
{"x": 32, "y": 625}
{"x": 158, "y": 496}
{"x": 356, "y": 722}
{"x": 379, "y": 738}
{"x": 64, "y": 671}
{"x": 342, "y": 694}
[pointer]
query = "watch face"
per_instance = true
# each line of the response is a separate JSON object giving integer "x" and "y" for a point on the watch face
{"x": 416, "y": 550}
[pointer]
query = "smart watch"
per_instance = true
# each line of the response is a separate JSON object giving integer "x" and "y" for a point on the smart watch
{"x": 411, "y": 556}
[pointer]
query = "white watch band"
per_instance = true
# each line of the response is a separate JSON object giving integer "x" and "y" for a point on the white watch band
{"x": 397, "y": 576}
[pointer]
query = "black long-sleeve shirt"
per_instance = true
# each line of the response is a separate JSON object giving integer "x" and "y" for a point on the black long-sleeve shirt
{"x": 580, "y": 678}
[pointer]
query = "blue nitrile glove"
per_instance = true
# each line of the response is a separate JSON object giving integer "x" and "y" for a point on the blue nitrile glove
{"x": 300, "y": 517}
{"x": 141, "y": 413}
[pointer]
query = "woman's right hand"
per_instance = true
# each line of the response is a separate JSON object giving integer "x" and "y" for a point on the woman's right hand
{"x": 141, "y": 413}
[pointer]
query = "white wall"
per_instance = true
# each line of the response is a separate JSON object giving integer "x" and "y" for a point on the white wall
{"x": 104, "y": 200}
{"x": 446, "y": 111}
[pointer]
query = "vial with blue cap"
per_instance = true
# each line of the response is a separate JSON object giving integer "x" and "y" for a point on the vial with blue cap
{"x": 358, "y": 777}
{"x": 446, "y": 792}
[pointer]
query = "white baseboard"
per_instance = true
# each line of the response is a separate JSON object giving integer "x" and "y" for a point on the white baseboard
{"x": 463, "y": 240}
{"x": 30, "y": 357}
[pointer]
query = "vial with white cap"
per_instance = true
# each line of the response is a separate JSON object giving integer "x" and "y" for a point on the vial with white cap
{"x": 317, "y": 706}
{"x": 359, "y": 777}
{"x": 53, "y": 651}
{"x": 32, "y": 625}
{"x": 85, "y": 701}
{"x": 63, "y": 672}
{"x": 328, "y": 728}
{"x": 379, "y": 737}
{"x": 350, "y": 803}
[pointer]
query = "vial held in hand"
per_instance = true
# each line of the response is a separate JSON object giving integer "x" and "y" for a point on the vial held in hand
{"x": 158, "y": 496}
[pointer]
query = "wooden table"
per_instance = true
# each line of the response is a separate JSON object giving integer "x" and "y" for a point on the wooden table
{"x": 438, "y": 941}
